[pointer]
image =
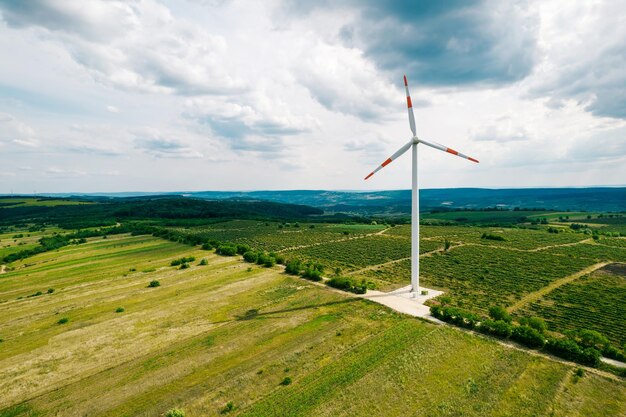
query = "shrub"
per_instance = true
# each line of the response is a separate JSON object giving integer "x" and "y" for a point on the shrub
{"x": 499, "y": 313}
{"x": 591, "y": 338}
{"x": 203, "y": 262}
{"x": 613, "y": 353}
{"x": 185, "y": 265}
{"x": 226, "y": 250}
{"x": 497, "y": 328}
{"x": 175, "y": 412}
{"x": 293, "y": 267}
{"x": 63, "y": 320}
{"x": 312, "y": 274}
{"x": 207, "y": 246}
{"x": 528, "y": 336}
{"x": 536, "y": 323}
{"x": 286, "y": 381}
{"x": 50, "y": 290}
{"x": 589, "y": 356}
{"x": 564, "y": 348}
{"x": 250, "y": 256}
{"x": 580, "y": 372}
{"x": 241, "y": 248}
{"x": 348, "y": 284}
{"x": 119, "y": 310}
{"x": 490, "y": 236}
{"x": 228, "y": 408}
{"x": 154, "y": 283}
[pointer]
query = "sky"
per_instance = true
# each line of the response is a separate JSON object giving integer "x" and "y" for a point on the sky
{"x": 189, "y": 95}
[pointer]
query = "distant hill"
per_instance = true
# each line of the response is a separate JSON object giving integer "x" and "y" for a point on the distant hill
{"x": 110, "y": 210}
{"x": 398, "y": 202}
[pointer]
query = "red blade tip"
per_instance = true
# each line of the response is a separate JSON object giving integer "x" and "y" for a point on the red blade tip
{"x": 370, "y": 174}
{"x": 473, "y": 160}
{"x": 405, "y": 83}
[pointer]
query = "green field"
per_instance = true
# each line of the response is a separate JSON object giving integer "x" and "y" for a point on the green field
{"x": 595, "y": 302}
{"x": 33, "y": 201}
{"x": 231, "y": 332}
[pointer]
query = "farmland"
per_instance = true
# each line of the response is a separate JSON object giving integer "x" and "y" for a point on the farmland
{"x": 228, "y": 332}
{"x": 595, "y": 302}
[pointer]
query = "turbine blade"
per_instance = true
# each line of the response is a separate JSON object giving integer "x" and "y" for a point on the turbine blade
{"x": 409, "y": 105}
{"x": 446, "y": 149}
{"x": 391, "y": 158}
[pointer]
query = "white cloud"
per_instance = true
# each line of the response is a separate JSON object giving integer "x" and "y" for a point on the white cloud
{"x": 112, "y": 109}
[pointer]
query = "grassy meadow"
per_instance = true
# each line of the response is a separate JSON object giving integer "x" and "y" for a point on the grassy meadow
{"x": 267, "y": 343}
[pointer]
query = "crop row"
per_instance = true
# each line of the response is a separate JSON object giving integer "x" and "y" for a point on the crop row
{"x": 594, "y": 302}
{"x": 360, "y": 253}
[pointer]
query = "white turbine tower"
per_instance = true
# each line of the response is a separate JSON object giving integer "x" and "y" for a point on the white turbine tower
{"x": 415, "y": 224}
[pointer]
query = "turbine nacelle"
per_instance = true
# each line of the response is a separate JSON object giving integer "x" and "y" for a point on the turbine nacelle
{"x": 415, "y": 140}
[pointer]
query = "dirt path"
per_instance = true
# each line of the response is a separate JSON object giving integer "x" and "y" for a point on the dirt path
{"x": 3, "y": 269}
{"x": 534, "y": 296}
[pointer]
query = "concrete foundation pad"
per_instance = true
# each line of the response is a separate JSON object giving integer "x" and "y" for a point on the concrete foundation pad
{"x": 404, "y": 301}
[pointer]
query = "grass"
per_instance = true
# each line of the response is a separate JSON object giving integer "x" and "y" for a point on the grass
{"x": 199, "y": 341}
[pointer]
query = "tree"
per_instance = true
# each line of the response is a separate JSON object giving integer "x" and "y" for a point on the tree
{"x": 499, "y": 313}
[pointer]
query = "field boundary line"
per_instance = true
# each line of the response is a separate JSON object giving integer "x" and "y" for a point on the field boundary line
{"x": 534, "y": 296}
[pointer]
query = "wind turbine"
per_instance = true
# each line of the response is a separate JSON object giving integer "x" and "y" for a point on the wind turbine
{"x": 415, "y": 224}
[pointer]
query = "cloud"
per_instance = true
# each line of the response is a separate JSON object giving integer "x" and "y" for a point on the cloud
{"x": 584, "y": 60}
{"x": 502, "y": 129}
{"x": 245, "y": 116}
{"x": 343, "y": 80}
{"x": 604, "y": 146}
{"x": 158, "y": 146}
{"x": 440, "y": 43}
{"x": 112, "y": 109}
{"x": 16, "y": 132}
{"x": 132, "y": 45}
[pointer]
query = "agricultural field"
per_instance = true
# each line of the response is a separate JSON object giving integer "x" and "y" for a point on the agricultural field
{"x": 228, "y": 338}
{"x": 32, "y": 201}
{"x": 595, "y": 302}
{"x": 17, "y": 239}
{"x": 274, "y": 236}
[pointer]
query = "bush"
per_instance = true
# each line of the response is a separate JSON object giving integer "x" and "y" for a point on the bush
{"x": 226, "y": 250}
{"x": 175, "y": 412}
{"x": 528, "y": 336}
{"x": 184, "y": 266}
{"x": 591, "y": 338}
{"x": 207, "y": 246}
{"x": 241, "y": 249}
{"x": 563, "y": 348}
{"x": 499, "y": 328}
{"x": 490, "y": 236}
{"x": 348, "y": 284}
{"x": 228, "y": 408}
{"x": 63, "y": 320}
{"x": 613, "y": 353}
{"x": 50, "y": 290}
{"x": 250, "y": 256}
{"x": 312, "y": 274}
{"x": 154, "y": 283}
{"x": 293, "y": 267}
{"x": 286, "y": 381}
{"x": 499, "y": 313}
{"x": 119, "y": 310}
{"x": 203, "y": 262}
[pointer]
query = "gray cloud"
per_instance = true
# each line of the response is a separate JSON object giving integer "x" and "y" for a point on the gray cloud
{"x": 442, "y": 43}
{"x": 138, "y": 46}
{"x": 161, "y": 147}
{"x": 260, "y": 116}
{"x": 587, "y": 60}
